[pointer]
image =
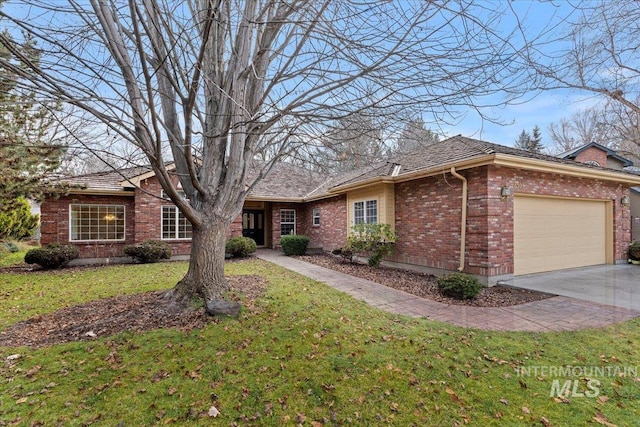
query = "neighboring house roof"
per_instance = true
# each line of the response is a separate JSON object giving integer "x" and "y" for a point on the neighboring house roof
{"x": 572, "y": 154}
{"x": 294, "y": 183}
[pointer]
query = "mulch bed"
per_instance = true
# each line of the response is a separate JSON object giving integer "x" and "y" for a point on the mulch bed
{"x": 424, "y": 285}
{"x": 133, "y": 313}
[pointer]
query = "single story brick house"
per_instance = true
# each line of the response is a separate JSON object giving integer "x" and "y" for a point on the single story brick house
{"x": 460, "y": 204}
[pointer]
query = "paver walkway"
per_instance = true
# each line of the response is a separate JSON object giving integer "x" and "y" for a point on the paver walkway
{"x": 551, "y": 314}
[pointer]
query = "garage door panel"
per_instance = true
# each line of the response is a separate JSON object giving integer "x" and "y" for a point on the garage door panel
{"x": 552, "y": 234}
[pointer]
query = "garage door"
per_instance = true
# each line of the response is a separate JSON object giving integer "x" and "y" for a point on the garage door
{"x": 554, "y": 234}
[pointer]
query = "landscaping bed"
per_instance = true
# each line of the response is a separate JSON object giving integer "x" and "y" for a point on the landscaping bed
{"x": 133, "y": 313}
{"x": 424, "y": 285}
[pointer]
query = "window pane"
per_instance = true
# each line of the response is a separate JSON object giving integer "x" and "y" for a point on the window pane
{"x": 96, "y": 222}
{"x": 372, "y": 211}
{"x": 287, "y": 221}
{"x": 174, "y": 224}
{"x": 358, "y": 212}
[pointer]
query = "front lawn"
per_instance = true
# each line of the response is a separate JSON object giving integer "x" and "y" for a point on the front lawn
{"x": 307, "y": 355}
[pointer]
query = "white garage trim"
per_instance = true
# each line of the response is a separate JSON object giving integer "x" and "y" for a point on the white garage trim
{"x": 555, "y": 233}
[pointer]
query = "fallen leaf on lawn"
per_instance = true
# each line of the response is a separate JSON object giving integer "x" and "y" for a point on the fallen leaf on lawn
{"x": 301, "y": 418}
{"x": 561, "y": 399}
{"x": 21, "y": 400}
{"x": 545, "y": 422}
{"x": 213, "y": 412}
{"x": 452, "y": 394}
{"x": 526, "y": 410}
{"x": 603, "y": 399}
{"x": 504, "y": 401}
{"x": 601, "y": 419}
{"x": 31, "y": 372}
{"x": 172, "y": 391}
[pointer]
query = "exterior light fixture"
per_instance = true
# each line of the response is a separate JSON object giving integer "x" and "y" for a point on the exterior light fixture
{"x": 506, "y": 192}
{"x": 625, "y": 201}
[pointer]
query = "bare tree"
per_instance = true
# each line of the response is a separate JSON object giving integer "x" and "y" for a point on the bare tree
{"x": 208, "y": 84}
{"x": 597, "y": 53}
{"x": 583, "y": 127}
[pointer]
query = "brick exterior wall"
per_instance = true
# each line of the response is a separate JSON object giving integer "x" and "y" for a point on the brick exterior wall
{"x": 302, "y": 222}
{"x": 428, "y": 213}
{"x": 332, "y": 231}
{"x": 592, "y": 154}
{"x": 55, "y": 224}
{"x": 148, "y": 208}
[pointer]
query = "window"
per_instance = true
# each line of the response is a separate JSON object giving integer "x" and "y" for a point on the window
{"x": 365, "y": 212}
{"x": 174, "y": 224}
{"x": 96, "y": 222}
{"x": 316, "y": 216}
{"x": 287, "y": 221}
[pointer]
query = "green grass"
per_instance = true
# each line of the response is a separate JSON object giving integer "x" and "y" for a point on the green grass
{"x": 311, "y": 354}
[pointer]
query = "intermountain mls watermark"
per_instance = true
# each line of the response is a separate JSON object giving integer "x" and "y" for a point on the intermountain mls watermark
{"x": 576, "y": 381}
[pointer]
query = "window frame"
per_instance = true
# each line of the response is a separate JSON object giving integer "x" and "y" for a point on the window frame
{"x": 365, "y": 208}
{"x": 288, "y": 222}
{"x": 177, "y": 226}
{"x": 315, "y": 217}
{"x": 98, "y": 206}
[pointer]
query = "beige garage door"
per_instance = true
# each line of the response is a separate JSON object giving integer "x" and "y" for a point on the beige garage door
{"x": 553, "y": 234}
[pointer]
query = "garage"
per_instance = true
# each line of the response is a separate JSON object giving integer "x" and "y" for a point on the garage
{"x": 556, "y": 233}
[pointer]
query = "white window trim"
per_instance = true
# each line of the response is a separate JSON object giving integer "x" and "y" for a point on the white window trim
{"x": 178, "y": 213}
{"x": 315, "y": 215}
{"x": 295, "y": 220}
{"x": 364, "y": 211}
{"x": 124, "y": 231}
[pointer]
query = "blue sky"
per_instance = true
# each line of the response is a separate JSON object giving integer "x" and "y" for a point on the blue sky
{"x": 541, "y": 109}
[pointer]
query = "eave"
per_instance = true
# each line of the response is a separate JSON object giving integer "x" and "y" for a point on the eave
{"x": 505, "y": 160}
{"x": 99, "y": 192}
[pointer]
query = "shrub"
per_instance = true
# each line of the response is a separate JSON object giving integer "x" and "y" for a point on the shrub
{"x": 240, "y": 247}
{"x": 53, "y": 255}
{"x": 11, "y": 247}
{"x": 634, "y": 250}
{"x": 373, "y": 240}
{"x": 294, "y": 244}
{"x": 18, "y": 222}
{"x": 459, "y": 285}
{"x": 149, "y": 251}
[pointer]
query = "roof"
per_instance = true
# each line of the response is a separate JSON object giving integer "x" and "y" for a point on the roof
{"x": 572, "y": 154}
{"x": 447, "y": 152}
{"x": 288, "y": 182}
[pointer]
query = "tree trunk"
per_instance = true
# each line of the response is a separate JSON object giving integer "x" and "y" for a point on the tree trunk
{"x": 205, "y": 277}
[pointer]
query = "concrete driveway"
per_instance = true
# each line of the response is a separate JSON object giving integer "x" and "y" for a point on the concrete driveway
{"x": 616, "y": 285}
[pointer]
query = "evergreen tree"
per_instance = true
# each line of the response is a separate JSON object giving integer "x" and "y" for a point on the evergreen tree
{"x": 535, "y": 143}
{"x": 530, "y": 141}
{"x": 523, "y": 140}
{"x": 25, "y": 153}
{"x": 414, "y": 136}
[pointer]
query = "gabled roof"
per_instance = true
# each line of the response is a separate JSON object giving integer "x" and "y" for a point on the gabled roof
{"x": 456, "y": 151}
{"x": 572, "y": 154}
{"x": 287, "y": 182}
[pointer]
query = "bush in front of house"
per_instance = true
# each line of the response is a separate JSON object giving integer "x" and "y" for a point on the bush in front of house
{"x": 149, "y": 251}
{"x": 372, "y": 240}
{"x": 240, "y": 247}
{"x": 11, "y": 247}
{"x": 634, "y": 250}
{"x": 294, "y": 244}
{"x": 459, "y": 285}
{"x": 52, "y": 256}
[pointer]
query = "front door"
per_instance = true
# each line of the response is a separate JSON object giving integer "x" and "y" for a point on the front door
{"x": 253, "y": 225}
